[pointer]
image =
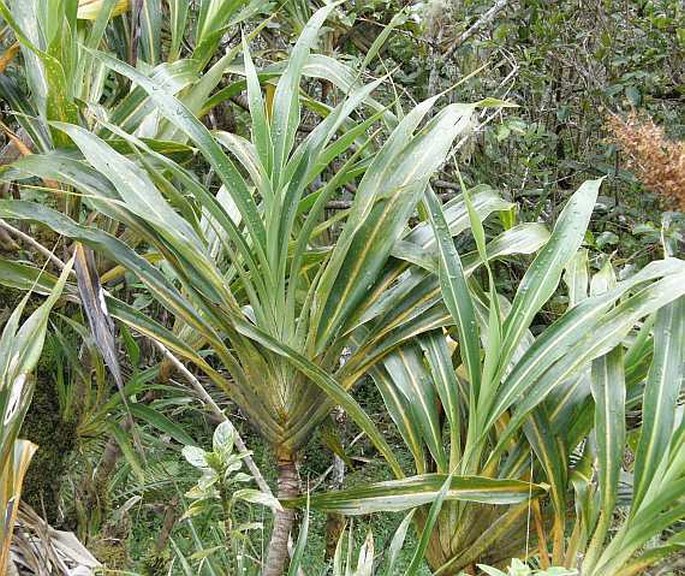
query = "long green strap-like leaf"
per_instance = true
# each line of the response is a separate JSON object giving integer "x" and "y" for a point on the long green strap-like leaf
{"x": 439, "y": 363}
{"x": 591, "y": 340}
{"x": 396, "y": 544}
{"x": 260, "y": 129}
{"x": 664, "y": 382}
{"x": 177, "y": 113}
{"x": 608, "y": 390}
{"x": 455, "y": 292}
{"x": 542, "y": 278}
{"x": 213, "y": 18}
{"x": 407, "y": 493}
{"x": 407, "y": 371}
{"x": 551, "y": 453}
{"x": 178, "y": 13}
{"x": 401, "y": 413}
{"x": 151, "y": 30}
{"x": 286, "y": 106}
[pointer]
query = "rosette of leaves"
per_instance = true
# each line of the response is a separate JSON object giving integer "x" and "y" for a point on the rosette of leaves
{"x": 246, "y": 257}
{"x": 494, "y": 405}
{"x": 221, "y": 476}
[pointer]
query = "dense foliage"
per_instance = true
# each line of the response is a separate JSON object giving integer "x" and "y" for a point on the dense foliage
{"x": 351, "y": 288}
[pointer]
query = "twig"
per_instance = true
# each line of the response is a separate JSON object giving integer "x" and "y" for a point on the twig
{"x": 20, "y": 142}
{"x": 487, "y": 17}
{"x": 37, "y": 245}
{"x": 200, "y": 389}
{"x": 446, "y": 185}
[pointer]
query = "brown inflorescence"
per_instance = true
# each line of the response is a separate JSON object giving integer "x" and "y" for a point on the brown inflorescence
{"x": 658, "y": 162}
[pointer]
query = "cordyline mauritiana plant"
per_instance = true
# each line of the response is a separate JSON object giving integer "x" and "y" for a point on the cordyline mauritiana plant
{"x": 503, "y": 403}
{"x": 248, "y": 271}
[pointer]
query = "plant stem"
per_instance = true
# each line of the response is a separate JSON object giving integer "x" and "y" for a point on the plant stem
{"x": 228, "y": 527}
{"x": 288, "y": 487}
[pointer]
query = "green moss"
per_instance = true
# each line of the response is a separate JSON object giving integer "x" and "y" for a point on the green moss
{"x": 156, "y": 563}
{"x": 9, "y": 298}
{"x": 55, "y": 438}
{"x": 110, "y": 552}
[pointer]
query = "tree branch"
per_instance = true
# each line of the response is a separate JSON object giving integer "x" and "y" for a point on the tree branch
{"x": 485, "y": 19}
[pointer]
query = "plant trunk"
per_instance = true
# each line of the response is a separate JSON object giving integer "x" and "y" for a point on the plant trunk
{"x": 288, "y": 487}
